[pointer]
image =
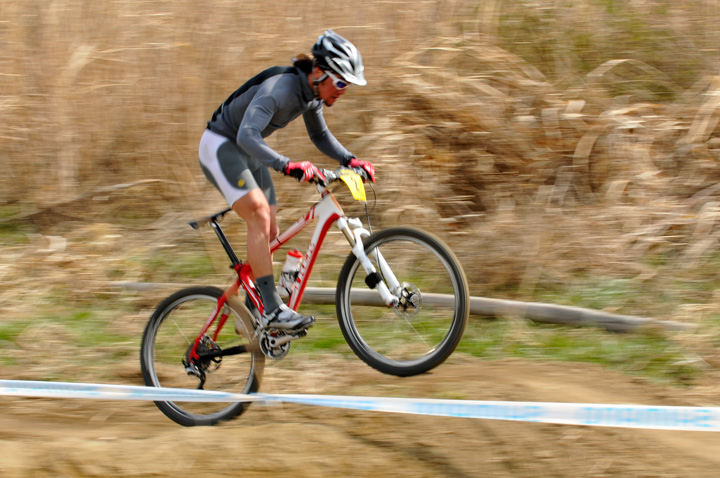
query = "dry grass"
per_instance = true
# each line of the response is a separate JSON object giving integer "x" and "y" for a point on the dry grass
{"x": 579, "y": 166}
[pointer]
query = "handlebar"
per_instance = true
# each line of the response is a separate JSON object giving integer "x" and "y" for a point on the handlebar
{"x": 332, "y": 175}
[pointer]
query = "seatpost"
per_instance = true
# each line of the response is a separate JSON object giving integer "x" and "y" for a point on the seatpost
{"x": 225, "y": 243}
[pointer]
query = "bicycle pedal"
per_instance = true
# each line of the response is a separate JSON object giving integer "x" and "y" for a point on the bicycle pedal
{"x": 291, "y": 334}
{"x": 299, "y": 332}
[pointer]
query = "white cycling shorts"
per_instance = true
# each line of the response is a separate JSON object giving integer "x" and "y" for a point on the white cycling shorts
{"x": 231, "y": 170}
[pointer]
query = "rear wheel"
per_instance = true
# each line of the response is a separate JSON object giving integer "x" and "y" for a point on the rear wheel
{"x": 168, "y": 339}
{"x": 422, "y": 330}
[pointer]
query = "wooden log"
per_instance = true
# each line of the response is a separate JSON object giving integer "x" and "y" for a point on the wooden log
{"x": 483, "y": 307}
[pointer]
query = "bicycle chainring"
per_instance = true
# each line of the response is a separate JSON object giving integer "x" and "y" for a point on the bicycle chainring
{"x": 275, "y": 344}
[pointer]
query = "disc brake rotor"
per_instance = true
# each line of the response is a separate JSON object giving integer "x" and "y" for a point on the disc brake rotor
{"x": 410, "y": 301}
{"x": 199, "y": 367}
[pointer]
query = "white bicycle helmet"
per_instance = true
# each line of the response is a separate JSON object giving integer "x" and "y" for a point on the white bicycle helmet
{"x": 333, "y": 52}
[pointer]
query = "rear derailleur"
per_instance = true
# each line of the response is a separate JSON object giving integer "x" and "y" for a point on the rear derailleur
{"x": 208, "y": 360}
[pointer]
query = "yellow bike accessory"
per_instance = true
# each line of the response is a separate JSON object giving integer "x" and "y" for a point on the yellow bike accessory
{"x": 354, "y": 184}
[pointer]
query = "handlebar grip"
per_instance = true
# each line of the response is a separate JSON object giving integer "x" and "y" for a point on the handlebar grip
{"x": 327, "y": 176}
{"x": 296, "y": 173}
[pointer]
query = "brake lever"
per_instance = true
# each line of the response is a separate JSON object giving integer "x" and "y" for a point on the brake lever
{"x": 362, "y": 173}
{"x": 320, "y": 181}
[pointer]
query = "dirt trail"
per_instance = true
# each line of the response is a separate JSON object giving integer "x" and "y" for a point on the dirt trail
{"x": 72, "y": 438}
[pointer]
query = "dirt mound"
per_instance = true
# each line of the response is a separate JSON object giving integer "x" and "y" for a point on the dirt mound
{"x": 98, "y": 438}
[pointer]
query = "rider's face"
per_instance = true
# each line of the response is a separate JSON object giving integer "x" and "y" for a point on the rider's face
{"x": 326, "y": 89}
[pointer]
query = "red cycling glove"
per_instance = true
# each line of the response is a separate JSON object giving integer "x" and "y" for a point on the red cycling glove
{"x": 366, "y": 165}
{"x": 303, "y": 171}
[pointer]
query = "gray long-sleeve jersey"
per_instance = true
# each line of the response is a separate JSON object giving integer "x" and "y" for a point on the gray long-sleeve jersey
{"x": 268, "y": 102}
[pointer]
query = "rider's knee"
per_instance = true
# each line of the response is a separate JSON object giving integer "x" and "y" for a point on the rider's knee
{"x": 252, "y": 204}
{"x": 261, "y": 219}
{"x": 258, "y": 216}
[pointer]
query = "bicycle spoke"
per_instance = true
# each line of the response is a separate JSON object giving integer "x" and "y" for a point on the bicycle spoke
{"x": 420, "y": 331}
{"x": 166, "y": 362}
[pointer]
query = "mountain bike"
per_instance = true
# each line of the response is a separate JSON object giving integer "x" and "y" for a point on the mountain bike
{"x": 402, "y": 303}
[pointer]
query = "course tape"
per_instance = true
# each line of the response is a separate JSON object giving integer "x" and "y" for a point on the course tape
{"x": 604, "y": 415}
{"x": 28, "y": 388}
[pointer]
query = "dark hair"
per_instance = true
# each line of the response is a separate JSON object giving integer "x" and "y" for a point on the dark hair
{"x": 304, "y": 63}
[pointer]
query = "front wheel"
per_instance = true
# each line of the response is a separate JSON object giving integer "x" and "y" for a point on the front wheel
{"x": 235, "y": 364}
{"x": 424, "y": 328}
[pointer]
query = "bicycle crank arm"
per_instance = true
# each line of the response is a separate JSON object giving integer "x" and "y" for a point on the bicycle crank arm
{"x": 280, "y": 341}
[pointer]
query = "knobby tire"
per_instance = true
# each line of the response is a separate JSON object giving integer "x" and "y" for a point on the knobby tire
{"x": 417, "y": 340}
{"x": 167, "y": 337}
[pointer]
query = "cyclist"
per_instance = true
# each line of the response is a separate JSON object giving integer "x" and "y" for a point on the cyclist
{"x": 236, "y": 159}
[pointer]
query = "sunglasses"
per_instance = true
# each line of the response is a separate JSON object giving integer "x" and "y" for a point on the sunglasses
{"x": 338, "y": 83}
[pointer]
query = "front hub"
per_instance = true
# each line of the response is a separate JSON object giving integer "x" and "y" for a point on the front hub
{"x": 410, "y": 301}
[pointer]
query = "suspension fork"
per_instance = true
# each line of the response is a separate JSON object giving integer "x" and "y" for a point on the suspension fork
{"x": 374, "y": 279}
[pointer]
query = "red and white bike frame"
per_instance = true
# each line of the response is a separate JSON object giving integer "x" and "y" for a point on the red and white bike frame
{"x": 327, "y": 211}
